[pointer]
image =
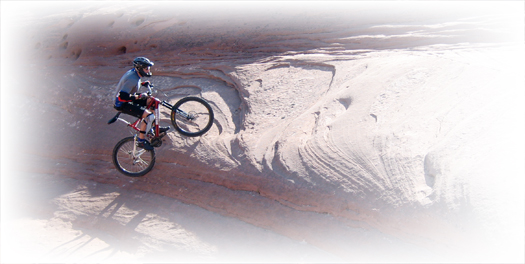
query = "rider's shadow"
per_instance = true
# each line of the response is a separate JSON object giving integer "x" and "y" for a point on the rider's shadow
{"x": 105, "y": 227}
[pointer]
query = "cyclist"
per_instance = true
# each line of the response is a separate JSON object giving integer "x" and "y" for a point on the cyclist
{"x": 130, "y": 102}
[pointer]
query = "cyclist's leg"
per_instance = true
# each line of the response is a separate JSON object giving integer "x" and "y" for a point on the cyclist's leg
{"x": 147, "y": 122}
{"x": 138, "y": 111}
{"x": 145, "y": 125}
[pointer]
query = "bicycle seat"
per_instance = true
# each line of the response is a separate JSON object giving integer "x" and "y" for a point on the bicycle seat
{"x": 115, "y": 118}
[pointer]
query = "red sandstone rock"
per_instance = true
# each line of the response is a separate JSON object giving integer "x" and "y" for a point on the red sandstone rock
{"x": 331, "y": 123}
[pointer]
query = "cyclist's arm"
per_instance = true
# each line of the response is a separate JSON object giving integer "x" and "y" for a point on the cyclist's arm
{"x": 126, "y": 97}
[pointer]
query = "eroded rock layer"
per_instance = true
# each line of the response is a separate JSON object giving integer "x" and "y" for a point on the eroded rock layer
{"x": 349, "y": 126}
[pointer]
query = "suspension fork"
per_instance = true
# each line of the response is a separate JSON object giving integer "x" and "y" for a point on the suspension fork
{"x": 136, "y": 153}
{"x": 134, "y": 145}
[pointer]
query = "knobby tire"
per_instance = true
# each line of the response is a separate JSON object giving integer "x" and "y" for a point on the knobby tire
{"x": 200, "y": 109}
{"x": 129, "y": 166}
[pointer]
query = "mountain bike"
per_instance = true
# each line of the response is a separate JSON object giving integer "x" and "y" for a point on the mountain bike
{"x": 190, "y": 116}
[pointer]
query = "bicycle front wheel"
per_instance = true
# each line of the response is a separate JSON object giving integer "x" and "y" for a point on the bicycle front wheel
{"x": 192, "y": 116}
{"x": 131, "y": 160}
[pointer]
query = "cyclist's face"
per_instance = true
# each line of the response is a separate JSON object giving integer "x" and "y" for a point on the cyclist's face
{"x": 147, "y": 69}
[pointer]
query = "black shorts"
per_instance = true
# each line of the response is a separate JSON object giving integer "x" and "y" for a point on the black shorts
{"x": 135, "y": 108}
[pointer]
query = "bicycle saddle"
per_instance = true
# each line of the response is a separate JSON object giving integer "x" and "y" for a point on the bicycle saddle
{"x": 115, "y": 118}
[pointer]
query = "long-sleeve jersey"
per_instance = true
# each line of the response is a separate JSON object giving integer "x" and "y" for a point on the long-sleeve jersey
{"x": 127, "y": 86}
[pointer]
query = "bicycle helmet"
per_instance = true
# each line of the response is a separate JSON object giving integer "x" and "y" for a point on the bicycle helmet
{"x": 142, "y": 62}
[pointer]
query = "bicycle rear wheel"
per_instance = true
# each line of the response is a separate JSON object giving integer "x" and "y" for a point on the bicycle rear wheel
{"x": 131, "y": 160}
{"x": 192, "y": 116}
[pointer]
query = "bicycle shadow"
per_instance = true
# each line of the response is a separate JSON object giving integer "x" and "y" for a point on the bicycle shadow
{"x": 106, "y": 223}
{"x": 73, "y": 220}
{"x": 104, "y": 227}
{"x": 129, "y": 224}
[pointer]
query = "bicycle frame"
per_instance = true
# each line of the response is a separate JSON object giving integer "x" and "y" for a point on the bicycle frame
{"x": 154, "y": 105}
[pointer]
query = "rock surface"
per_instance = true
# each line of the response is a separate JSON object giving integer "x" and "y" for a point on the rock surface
{"x": 373, "y": 133}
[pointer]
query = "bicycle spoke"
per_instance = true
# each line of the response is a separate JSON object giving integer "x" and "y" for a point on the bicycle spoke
{"x": 192, "y": 116}
{"x": 132, "y": 160}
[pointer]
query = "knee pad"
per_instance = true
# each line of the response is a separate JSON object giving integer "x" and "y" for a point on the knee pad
{"x": 149, "y": 121}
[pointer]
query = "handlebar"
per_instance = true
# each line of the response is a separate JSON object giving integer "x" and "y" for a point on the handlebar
{"x": 148, "y": 85}
{"x": 150, "y": 91}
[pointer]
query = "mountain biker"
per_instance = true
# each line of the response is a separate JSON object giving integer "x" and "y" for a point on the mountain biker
{"x": 130, "y": 102}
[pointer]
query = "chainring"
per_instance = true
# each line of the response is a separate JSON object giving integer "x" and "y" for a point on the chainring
{"x": 156, "y": 142}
